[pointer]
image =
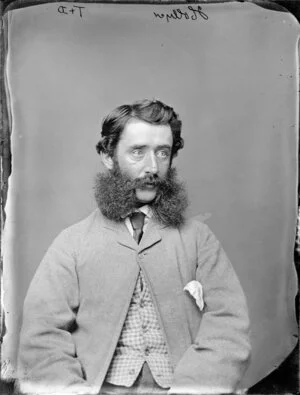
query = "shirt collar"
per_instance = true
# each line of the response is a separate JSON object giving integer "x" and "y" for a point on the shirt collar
{"x": 147, "y": 210}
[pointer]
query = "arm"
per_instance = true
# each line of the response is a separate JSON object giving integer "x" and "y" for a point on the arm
{"x": 217, "y": 360}
{"x": 47, "y": 356}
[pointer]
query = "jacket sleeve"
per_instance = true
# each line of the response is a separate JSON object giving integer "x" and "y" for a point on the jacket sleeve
{"x": 220, "y": 353}
{"x": 47, "y": 359}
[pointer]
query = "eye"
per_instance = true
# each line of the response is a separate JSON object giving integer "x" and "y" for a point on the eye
{"x": 163, "y": 154}
{"x": 137, "y": 153}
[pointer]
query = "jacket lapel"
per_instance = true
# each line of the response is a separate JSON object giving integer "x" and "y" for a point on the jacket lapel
{"x": 150, "y": 237}
{"x": 122, "y": 234}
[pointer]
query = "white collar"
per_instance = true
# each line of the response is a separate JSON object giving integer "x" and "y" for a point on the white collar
{"x": 146, "y": 209}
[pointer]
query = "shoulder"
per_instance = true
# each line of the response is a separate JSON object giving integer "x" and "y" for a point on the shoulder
{"x": 193, "y": 233}
{"x": 73, "y": 235}
{"x": 196, "y": 225}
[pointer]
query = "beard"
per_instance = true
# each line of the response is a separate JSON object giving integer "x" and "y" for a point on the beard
{"x": 115, "y": 194}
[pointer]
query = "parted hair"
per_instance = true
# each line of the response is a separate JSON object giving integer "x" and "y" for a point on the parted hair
{"x": 152, "y": 111}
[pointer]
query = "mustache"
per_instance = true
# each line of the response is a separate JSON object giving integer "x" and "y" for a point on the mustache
{"x": 149, "y": 179}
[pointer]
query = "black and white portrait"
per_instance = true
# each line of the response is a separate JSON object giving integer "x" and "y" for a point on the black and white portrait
{"x": 151, "y": 207}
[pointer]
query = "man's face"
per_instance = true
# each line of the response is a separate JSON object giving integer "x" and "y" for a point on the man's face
{"x": 144, "y": 150}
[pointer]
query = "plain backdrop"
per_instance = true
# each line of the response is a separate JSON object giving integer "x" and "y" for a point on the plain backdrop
{"x": 233, "y": 80}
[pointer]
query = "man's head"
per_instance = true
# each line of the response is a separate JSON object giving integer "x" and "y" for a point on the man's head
{"x": 141, "y": 139}
{"x": 138, "y": 144}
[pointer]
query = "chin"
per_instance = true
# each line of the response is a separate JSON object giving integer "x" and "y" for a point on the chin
{"x": 145, "y": 196}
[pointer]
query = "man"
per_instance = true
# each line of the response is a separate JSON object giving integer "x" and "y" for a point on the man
{"x": 135, "y": 298}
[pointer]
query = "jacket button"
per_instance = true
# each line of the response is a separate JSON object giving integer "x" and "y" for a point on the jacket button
{"x": 131, "y": 371}
{"x": 147, "y": 351}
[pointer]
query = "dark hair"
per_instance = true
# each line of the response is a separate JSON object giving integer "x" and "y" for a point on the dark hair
{"x": 152, "y": 111}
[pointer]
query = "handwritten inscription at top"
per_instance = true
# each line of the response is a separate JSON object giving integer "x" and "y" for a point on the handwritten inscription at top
{"x": 74, "y": 10}
{"x": 190, "y": 12}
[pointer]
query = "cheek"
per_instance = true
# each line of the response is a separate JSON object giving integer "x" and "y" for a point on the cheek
{"x": 163, "y": 168}
{"x": 132, "y": 169}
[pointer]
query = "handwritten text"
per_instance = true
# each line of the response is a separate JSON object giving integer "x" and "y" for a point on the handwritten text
{"x": 74, "y": 10}
{"x": 192, "y": 13}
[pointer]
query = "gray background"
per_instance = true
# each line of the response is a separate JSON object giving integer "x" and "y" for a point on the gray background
{"x": 233, "y": 80}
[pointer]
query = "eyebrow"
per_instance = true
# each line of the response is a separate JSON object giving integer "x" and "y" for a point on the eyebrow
{"x": 159, "y": 147}
{"x": 165, "y": 146}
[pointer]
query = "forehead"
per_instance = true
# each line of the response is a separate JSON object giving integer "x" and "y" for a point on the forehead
{"x": 138, "y": 132}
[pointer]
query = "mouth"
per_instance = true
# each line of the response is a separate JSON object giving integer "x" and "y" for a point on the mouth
{"x": 149, "y": 185}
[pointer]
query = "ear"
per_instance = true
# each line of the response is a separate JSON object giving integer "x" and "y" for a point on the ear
{"x": 107, "y": 160}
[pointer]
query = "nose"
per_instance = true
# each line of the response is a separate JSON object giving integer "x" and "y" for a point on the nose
{"x": 151, "y": 163}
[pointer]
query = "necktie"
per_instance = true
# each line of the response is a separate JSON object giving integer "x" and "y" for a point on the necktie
{"x": 137, "y": 222}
